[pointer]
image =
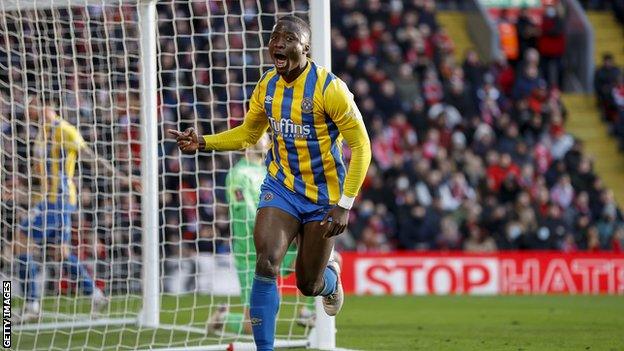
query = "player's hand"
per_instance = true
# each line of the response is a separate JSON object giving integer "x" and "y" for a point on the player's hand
{"x": 136, "y": 185}
{"x": 188, "y": 141}
{"x": 336, "y": 221}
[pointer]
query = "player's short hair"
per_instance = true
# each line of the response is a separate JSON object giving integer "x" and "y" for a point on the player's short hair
{"x": 303, "y": 24}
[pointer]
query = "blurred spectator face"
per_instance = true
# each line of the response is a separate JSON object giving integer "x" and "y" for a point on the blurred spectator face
{"x": 524, "y": 200}
{"x": 405, "y": 71}
{"x": 459, "y": 140}
{"x": 531, "y": 71}
{"x": 607, "y": 61}
{"x": 492, "y": 158}
{"x": 543, "y": 195}
{"x": 582, "y": 200}
{"x": 430, "y": 5}
{"x": 410, "y": 19}
{"x": 593, "y": 238}
{"x": 433, "y": 136}
{"x": 457, "y": 86}
{"x": 514, "y": 230}
{"x": 531, "y": 57}
{"x": 367, "y": 208}
{"x": 361, "y": 88}
{"x": 505, "y": 160}
{"x": 585, "y": 165}
{"x": 402, "y": 183}
{"x": 363, "y": 32}
{"x": 434, "y": 178}
{"x": 554, "y": 211}
{"x": 450, "y": 232}
{"x": 472, "y": 57}
{"x": 388, "y": 88}
{"x": 458, "y": 179}
{"x": 550, "y": 11}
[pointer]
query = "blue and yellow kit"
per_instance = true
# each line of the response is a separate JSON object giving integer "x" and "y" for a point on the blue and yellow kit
{"x": 56, "y": 150}
{"x": 308, "y": 119}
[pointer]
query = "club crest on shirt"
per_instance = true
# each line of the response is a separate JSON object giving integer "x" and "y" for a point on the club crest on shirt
{"x": 268, "y": 196}
{"x": 306, "y": 105}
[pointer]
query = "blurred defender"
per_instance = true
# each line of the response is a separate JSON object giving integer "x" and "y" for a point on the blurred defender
{"x": 48, "y": 225}
{"x": 308, "y": 191}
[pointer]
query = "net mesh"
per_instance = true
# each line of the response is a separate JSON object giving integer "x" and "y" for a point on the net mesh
{"x": 84, "y": 62}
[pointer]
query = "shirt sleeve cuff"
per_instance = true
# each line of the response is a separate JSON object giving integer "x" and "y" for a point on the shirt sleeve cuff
{"x": 346, "y": 202}
{"x": 205, "y": 137}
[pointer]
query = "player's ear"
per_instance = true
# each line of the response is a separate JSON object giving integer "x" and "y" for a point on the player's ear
{"x": 306, "y": 49}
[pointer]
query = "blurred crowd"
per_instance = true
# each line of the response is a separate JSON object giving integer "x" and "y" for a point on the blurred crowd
{"x": 476, "y": 155}
{"x": 466, "y": 155}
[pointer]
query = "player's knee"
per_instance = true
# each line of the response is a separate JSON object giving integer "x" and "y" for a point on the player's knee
{"x": 267, "y": 265}
{"x": 310, "y": 287}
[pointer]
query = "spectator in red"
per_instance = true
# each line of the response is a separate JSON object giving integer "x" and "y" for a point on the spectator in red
{"x": 504, "y": 74}
{"x": 552, "y": 44}
{"x": 363, "y": 43}
{"x": 500, "y": 168}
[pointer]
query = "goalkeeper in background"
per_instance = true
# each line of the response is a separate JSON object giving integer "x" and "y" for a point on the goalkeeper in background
{"x": 48, "y": 225}
{"x": 243, "y": 184}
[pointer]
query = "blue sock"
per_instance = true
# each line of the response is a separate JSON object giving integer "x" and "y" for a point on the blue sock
{"x": 263, "y": 311}
{"x": 331, "y": 278}
{"x": 78, "y": 272}
{"x": 28, "y": 271}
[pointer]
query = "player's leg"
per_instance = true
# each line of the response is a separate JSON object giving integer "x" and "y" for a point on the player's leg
{"x": 305, "y": 316}
{"x": 316, "y": 275}
{"x": 28, "y": 269}
{"x": 274, "y": 231}
{"x": 76, "y": 270}
{"x": 29, "y": 240}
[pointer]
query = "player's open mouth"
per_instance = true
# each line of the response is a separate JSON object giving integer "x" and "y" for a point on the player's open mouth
{"x": 280, "y": 60}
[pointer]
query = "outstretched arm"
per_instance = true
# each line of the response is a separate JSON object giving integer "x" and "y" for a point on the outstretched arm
{"x": 241, "y": 137}
{"x": 72, "y": 140}
{"x": 91, "y": 156}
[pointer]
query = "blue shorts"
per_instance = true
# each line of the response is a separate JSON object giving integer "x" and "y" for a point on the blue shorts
{"x": 49, "y": 221}
{"x": 275, "y": 194}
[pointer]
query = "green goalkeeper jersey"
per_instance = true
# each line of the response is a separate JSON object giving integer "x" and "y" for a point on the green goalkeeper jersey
{"x": 243, "y": 194}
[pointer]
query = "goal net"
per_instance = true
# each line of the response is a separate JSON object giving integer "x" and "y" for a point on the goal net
{"x": 79, "y": 238}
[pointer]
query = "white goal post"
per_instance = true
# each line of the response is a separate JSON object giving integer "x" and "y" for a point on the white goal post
{"x": 111, "y": 85}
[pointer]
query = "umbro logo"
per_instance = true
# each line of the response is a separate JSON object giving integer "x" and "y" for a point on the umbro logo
{"x": 268, "y": 99}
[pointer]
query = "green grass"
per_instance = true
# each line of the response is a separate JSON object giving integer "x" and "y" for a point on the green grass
{"x": 397, "y": 323}
{"x": 483, "y": 323}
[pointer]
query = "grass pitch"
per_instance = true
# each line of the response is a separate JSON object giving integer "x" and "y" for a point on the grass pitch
{"x": 515, "y": 323}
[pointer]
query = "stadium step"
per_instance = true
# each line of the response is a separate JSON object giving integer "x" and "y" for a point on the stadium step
{"x": 608, "y": 36}
{"x": 454, "y": 22}
{"x": 584, "y": 123}
{"x": 584, "y": 118}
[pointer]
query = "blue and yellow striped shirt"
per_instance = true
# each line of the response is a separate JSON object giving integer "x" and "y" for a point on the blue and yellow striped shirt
{"x": 56, "y": 149}
{"x": 308, "y": 119}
